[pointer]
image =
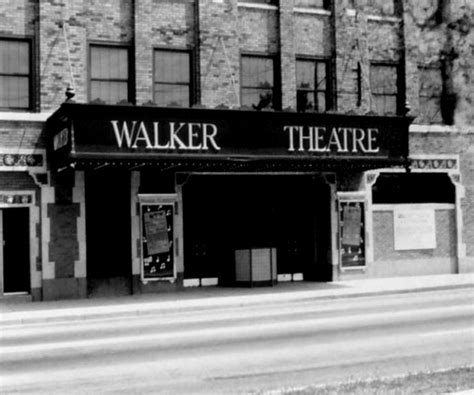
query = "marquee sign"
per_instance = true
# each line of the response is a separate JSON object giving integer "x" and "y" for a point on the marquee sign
{"x": 84, "y": 131}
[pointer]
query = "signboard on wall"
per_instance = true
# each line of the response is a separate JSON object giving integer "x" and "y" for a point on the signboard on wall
{"x": 157, "y": 241}
{"x": 414, "y": 229}
{"x": 352, "y": 233}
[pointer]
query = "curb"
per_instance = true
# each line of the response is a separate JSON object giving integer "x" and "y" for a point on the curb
{"x": 150, "y": 308}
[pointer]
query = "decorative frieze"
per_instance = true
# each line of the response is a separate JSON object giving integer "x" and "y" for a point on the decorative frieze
{"x": 16, "y": 199}
{"x": 11, "y": 161}
{"x": 435, "y": 164}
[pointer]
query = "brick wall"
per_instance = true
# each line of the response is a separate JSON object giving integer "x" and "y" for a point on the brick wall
{"x": 258, "y": 30}
{"x": 18, "y": 17}
{"x": 53, "y": 56}
{"x": 218, "y": 37}
{"x": 384, "y": 238}
{"x": 21, "y": 135}
{"x": 109, "y": 20}
{"x": 312, "y": 34}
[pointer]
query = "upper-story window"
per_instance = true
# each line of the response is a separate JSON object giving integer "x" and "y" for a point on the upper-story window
{"x": 172, "y": 78}
{"x": 312, "y": 85}
{"x": 258, "y": 82}
{"x": 15, "y": 74}
{"x": 431, "y": 86}
{"x": 110, "y": 74}
{"x": 383, "y": 7}
{"x": 384, "y": 88}
{"x": 324, "y": 4}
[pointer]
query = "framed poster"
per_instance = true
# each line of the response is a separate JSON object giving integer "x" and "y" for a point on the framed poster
{"x": 414, "y": 229}
{"x": 157, "y": 239}
{"x": 351, "y": 233}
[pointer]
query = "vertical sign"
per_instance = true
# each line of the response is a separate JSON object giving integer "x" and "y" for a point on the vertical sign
{"x": 157, "y": 241}
{"x": 351, "y": 233}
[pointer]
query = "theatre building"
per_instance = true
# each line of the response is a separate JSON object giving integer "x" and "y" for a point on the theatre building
{"x": 226, "y": 143}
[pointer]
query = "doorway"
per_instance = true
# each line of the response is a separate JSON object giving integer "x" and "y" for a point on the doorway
{"x": 15, "y": 236}
{"x": 225, "y": 213}
{"x": 108, "y": 233}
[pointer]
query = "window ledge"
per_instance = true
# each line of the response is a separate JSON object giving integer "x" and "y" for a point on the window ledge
{"x": 418, "y": 128}
{"x": 382, "y": 18}
{"x": 375, "y": 18}
{"x": 314, "y": 11}
{"x": 25, "y": 116}
{"x": 258, "y": 6}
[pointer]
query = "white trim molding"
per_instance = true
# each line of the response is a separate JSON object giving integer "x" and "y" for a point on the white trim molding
{"x": 25, "y": 116}
{"x": 383, "y": 19}
{"x": 414, "y": 206}
{"x": 258, "y": 6}
{"x": 419, "y": 128}
{"x": 313, "y": 11}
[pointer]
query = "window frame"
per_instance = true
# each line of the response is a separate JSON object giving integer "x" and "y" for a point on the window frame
{"x": 400, "y": 94}
{"x": 276, "y": 88}
{"x": 131, "y": 70}
{"x": 31, "y": 74}
{"x": 192, "y": 79}
{"x": 329, "y": 86}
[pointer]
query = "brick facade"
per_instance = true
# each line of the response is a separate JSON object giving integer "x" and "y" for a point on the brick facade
{"x": 218, "y": 32}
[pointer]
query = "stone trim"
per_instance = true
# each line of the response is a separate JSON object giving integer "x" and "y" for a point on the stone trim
{"x": 351, "y": 12}
{"x": 434, "y": 206}
{"x": 9, "y": 199}
{"x": 27, "y": 199}
{"x": 258, "y": 6}
{"x": 25, "y": 116}
{"x": 419, "y": 128}
{"x": 14, "y": 159}
{"x": 313, "y": 11}
{"x": 384, "y": 19}
{"x": 78, "y": 191}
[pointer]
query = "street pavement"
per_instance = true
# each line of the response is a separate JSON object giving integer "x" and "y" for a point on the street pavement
{"x": 12, "y": 311}
{"x": 238, "y": 341}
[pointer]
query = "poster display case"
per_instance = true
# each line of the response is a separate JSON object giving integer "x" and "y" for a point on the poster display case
{"x": 157, "y": 237}
{"x": 351, "y": 218}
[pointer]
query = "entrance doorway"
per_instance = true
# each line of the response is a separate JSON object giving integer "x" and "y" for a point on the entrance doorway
{"x": 225, "y": 213}
{"x": 108, "y": 233}
{"x": 15, "y": 254}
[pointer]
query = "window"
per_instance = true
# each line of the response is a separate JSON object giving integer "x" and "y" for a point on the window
{"x": 431, "y": 86}
{"x": 325, "y": 4}
{"x": 109, "y": 74}
{"x": 258, "y": 82}
{"x": 384, "y": 88}
{"x": 312, "y": 84}
{"x": 172, "y": 78}
{"x": 15, "y": 74}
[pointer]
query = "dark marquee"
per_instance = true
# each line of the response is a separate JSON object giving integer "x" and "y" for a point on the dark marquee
{"x": 87, "y": 134}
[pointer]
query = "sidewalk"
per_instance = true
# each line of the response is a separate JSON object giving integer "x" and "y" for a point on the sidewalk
{"x": 215, "y": 297}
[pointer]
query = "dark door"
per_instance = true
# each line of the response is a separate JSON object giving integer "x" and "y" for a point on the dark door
{"x": 108, "y": 233}
{"x": 16, "y": 250}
